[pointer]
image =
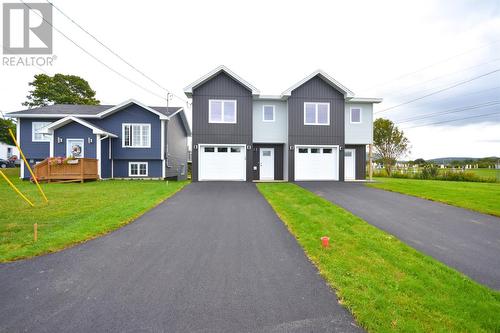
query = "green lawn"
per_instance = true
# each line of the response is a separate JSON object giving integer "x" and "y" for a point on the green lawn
{"x": 481, "y": 197}
{"x": 487, "y": 173}
{"x": 387, "y": 285}
{"x": 75, "y": 212}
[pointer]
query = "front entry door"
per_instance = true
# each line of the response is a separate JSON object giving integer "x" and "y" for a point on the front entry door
{"x": 266, "y": 164}
{"x": 350, "y": 164}
{"x": 74, "y": 148}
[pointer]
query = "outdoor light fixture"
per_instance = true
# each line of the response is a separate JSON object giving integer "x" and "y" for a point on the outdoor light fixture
{"x": 249, "y": 147}
{"x": 291, "y": 147}
{"x": 89, "y": 140}
{"x": 59, "y": 140}
{"x": 195, "y": 147}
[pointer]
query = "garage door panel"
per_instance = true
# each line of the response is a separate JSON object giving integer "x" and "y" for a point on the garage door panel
{"x": 316, "y": 163}
{"x": 222, "y": 163}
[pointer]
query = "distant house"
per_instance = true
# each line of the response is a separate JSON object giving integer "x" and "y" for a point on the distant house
{"x": 8, "y": 151}
{"x": 128, "y": 140}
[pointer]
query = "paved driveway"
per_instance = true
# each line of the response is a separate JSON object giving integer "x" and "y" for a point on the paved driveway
{"x": 465, "y": 240}
{"x": 213, "y": 258}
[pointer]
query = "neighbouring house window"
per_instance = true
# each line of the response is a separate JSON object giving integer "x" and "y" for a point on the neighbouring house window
{"x": 138, "y": 169}
{"x": 37, "y": 129}
{"x": 222, "y": 111}
{"x": 136, "y": 135}
{"x": 316, "y": 113}
{"x": 9, "y": 152}
{"x": 268, "y": 113}
{"x": 355, "y": 115}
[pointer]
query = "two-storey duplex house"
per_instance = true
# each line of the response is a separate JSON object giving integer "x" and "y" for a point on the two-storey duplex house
{"x": 129, "y": 140}
{"x": 315, "y": 130}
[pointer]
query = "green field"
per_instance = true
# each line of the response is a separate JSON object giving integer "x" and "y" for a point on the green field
{"x": 481, "y": 197}
{"x": 387, "y": 285}
{"x": 75, "y": 212}
{"x": 487, "y": 173}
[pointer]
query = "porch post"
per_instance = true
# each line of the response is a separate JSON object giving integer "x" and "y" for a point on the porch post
{"x": 98, "y": 155}
{"x": 370, "y": 163}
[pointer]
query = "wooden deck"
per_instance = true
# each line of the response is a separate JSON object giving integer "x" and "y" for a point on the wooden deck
{"x": 80, "y": 169}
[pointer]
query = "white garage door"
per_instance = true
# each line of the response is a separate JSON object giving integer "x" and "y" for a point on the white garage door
{"x": 316, "y": 163}
{"x": 222, "y": 162}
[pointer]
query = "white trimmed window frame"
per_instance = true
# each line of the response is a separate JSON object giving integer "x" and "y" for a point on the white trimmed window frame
{"x": 316, "y": 104}
{"x": 138, "y": 169}
{"x": 360, "y": 115}
{"x": 131, "y": 143}
{"x": 33, "y": 132}
{"x": 223, "y": 101}
{"x": 264, "y": 113}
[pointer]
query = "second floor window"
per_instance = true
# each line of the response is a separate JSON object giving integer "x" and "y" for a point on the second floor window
{"x": 268, "y": 113}
{"x": 316, "y": 113}
{"x": 38, "y": 133}
{"x": 222, "y": 111}
{"x": 355, "y": 115}
{"x": 136, "y": 135}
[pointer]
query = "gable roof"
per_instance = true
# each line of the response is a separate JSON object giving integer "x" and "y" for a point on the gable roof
{"x": 64, "y": 121}
{"x": 189, "y": 89}
{"x": 328, "y": 79}
{"x": 87, "y": 111}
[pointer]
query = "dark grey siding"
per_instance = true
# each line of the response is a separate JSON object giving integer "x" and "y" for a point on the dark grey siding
{"x": 222, "y": 86}
{"x": 176, "y": 148}
{"x": 360, "y": 160}
{"x": 315, "y": 90}
{"x": 278, "y": 160}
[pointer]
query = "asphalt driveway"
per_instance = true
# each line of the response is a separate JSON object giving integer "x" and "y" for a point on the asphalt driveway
{"x": 213, "y": 258}
{"x": 462, "y": 239}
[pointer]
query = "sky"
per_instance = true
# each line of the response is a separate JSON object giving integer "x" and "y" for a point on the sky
{"x": 397, "y": 50}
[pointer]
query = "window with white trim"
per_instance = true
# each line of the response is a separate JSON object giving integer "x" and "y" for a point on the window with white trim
{"x": 316, "y": 113}
{"x": 138, "y": 169}
{"x": 222, "y": 111}
{"x": 355, "y": 115}
{"x": 136, "y": 135}
{"x": 37, "y": 129}
{"x": 268, "y": 113}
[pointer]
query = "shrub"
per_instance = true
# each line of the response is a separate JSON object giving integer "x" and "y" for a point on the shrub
{"x": 464, "y": 176}
{"x": 429, "y": 171}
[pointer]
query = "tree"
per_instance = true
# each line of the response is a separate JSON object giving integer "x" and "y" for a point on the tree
{"x": 5, "y": 124}
{"x": 419, "y": 161}
{"x": 60, "y": 89}
{"x": 389, "y": 142}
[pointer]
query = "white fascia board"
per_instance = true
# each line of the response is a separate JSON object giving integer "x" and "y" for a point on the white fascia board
{"x": 67, "y": 120}
{"x": 269, "y": 97}
{"x": 127, "y": 103}
{"x": 347, "y": 93}
{"x": 365, "y": 100}
{"x": 189, "y": 89}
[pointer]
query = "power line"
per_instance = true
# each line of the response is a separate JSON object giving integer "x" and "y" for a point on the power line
{"x": 449, "y": 111}
{"x": 445, "y": 75}
{"x": 439, "y": 91}
{"x": 432, "y": 65}
{"x": 449, "y": 121}
{"x": 94, "y": 57}
{"x": 115, "y": 53}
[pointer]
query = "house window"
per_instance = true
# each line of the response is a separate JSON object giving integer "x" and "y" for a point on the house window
{"x": 209, "y": 149}
{"x": 222, "y": 150}
{"x": 355, "y": 115}
{"x": 136, "y": 135}
{"x": 314, "y": 150}
{"x": 303, "y": 150}
{"x": 316, "y": 113}
{"x": 222, "y": 111}
{"x": 327, "y": 150}
{"x": 37, "y": 129}
{"x": 9, "y": 152}
{"x": 268, "y": 113}
{"x": 235, "y": 149}
{"x": 138, "y": 169}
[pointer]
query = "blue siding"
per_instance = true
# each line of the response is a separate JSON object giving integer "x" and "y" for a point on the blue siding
{"x": 133, "y": 114}
{"x": 75, "y": 130}
{"x": 121, "y": 168}
{"x": 33, "y": 150}
{"x": 105, "y": 161}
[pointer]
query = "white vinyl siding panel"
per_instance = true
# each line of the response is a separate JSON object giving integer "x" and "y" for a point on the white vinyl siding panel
{"x": 362, "y": 132}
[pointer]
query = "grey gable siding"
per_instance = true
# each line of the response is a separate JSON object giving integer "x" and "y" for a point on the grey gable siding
{"x": 222, "y": 86}
{"x": 315, "y": 90}
{"x": 75, "y": 131}
{"x": 176, "y": 148}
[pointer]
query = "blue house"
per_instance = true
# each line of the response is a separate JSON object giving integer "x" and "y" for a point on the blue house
{"x": 129, "y": 140}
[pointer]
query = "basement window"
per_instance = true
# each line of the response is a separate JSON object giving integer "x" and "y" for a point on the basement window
{"x": 138, "y": 169}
